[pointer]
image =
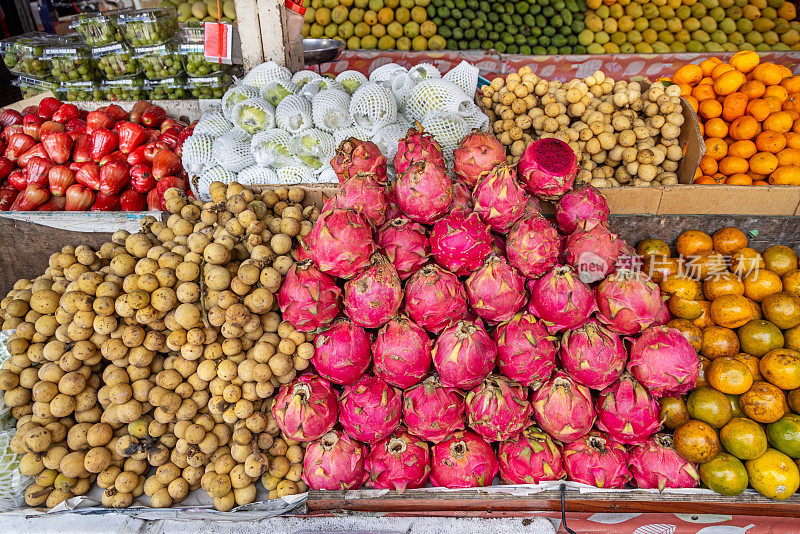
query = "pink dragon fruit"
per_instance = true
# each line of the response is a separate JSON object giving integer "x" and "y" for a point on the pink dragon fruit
{"x": 583, "y": 207}
{"x": 548, "y": 168}
{"x": 460, "y": 243}
{"x": 464, "y": 354}
{"x": 401, "y": 461}
{"x": 434, "y": 298}
{"x": 341, "y": 243}
{"x": 462, "y": 198}
{"x": 393, "y": 211}
{"x": 593, "y": 355}
{"x": 664, "y": 362}
{"x": 626, "y": 412}
{"x": 433, "y": 411}
{"x": 597, "y": 461}
{"x": 656, "y": 464}
{"x": 335, "y": 462}
{"x": 354, "y": 156}
{"x": 306, "y": 408}
{"x": 533, "y": 246}
{"x": 529, "y": 458}
{"x": 560, "y": 299}
{"x": 406, "y": 245}
{"x": 663, "y": 316}
{"x": 476, "y": 154}
{"x": 402, "y": 352}
{"x": 416, "y": 146}
{"x": 525, "y": 351}
{"x": 499, "y": 199}
{"x": 308, "y": 298}
{"x": 363, "y": 194}
{"x": 424, "y": 191}
{"x": 563, "y": 408}
{"x": 496, "y": 291}
{"x": 374, "y": 295}
{"x": 463, "y": 461}
{"x": 370, "y": 409}
{"x": 498, "y": 408}
{"x": 627, "y": 301}
{"x": 593, "y": 253}
{"x": 342, "y": 352}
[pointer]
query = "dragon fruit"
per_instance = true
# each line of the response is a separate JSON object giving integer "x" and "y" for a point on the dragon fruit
{"x": 529, "y": 458}
{"x": 663, "y": 316}
{"x": 464, "y": 354}
{"x": 626, "y": 412}
{"x": 370, "y": 409}
{"x": 499, "y": 199}
{"x": 342, "y": 352}
{"x": 498, "y": 408}
{"x": 496, "y": 291}
{"x": 593, "y": 355}
{"x": 433, "y": 411}
{"x": 593, "y": 252}
{"x": 476, "y": 154}
{"x": 417, "y": 146}
{"x": 583, "y": 207}
{"x": 563, "y": 408}
{"x": 664, "y": 362}
{"x": 460, "y": 242}
{"x": 656, "y": 464}
{"x": 548, "y": 168}
{"x": 402, "y": 352}
{"x": 525, "y": 351}
{"x": 306, "y": 408}
{"x": 341, "y": 243}
{"x": 335, "y": 462}
{"x": 373, "y": 296}
{"x": 424, "y": 191}
{"x": 463, "y": 461}
{"x": 560, "y": 299}
{"x": 627, "y": 301}
{"x": 462, "y": 198}
{"x": 362, "y": 193}
{"x": 434, "y": 298}
{"x": 406, "y": 245}
{"x": 597, "y": 461}
{"x": 401, "y": 461}
{"x": 533, "y": 246}
{"x": 354, "y": 156}
{"x": 308, "y": 298}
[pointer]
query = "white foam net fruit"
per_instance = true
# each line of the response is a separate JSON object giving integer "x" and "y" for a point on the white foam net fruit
{"x": 317, "y": 85}
{"x": 436, "y": 95}
{"x": 213, "y": 123}
{"x": 313, "y": 147}
{"x": 302, "y": 77}
{"x": 272, "y": 148}
{"x": 352, "y": 131}
{"x": 326, "y": 175}
{"x": 295, "y": 174}
{"x": 198, "y": 153}
{"x": 424, "y": 71}
{"x": 200, "y": 184}
{"x": 232, "y": 150}
{"x": 266, "y": 73}
{"x": 385, "y": 73}
{"x": 351, "y": 80}
{"x": 330, "y": 110}
{"x": 475, "y": 118}
{"x": 388, "y": 137}
{"x": 253, "y": 115}
{"x": 372, "y": 107}
{"x": 12, "y": 482}
{"x": 447, "y": 128}
{"x": 236, "y": 94}
{"x": 401, "y": 87}
{"x": 274, "y": 92}
{"x": 293, "y": 114}
{"x": 465, "y": 76}
{"x": 257, "y": 175}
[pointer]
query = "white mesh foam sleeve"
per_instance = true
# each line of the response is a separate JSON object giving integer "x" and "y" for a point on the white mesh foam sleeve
{"x": 401, "y": 87}
{"x": 197, "y": 153}
{"x": 424, "y": 71}
{"x": 236, "y": 94}
{"x": 313, "y": 147}
{"x": 447, "y": 128}
{"x": 265, "y": 73}
{"x": 330, "y": 110}
{"x": 232, "y": 150}
{"x": 274, "y": 92}
{"x": 272, "y": 148}
{"x": 385, "y": 73}
{"x": 352, "y": 131}
{"x": 213, "y": 123}
{"x": 323, "y": 83}
{"x": 293, "y": 114}
{"x": 253, "y": 115}
{"x": 326, "y": 175}
{"x": 475, "y": 118}
{"x": 302, "y": 77}
{"x": 295, "y": 174}
{"x": 200, "y": 185}
{"x": 256, "y": 175}
{"x": 372, "y": 107}
{"x": 351, "y": 80}
{"x": 433, "y": 95}
{"x": 465, "y": 76}
{"x": 388, "y": 137}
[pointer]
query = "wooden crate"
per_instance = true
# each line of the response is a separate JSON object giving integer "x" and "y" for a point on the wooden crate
{"x": 262, "y": 31}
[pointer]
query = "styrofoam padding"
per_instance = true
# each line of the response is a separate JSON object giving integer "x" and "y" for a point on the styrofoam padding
{"x": 351, "y": 80}
{"x": 330, "y": 110}
{"x": 197, "y": 153}
{"x": 385, "y": 73}
{"x": 232, "y": 150}
{"x": 388, "y": 137}
{"x": 302, "y": 77}
{"x": 351, "y": 131}
{"x": 236, "y": 94}
{"x": 200, "y": 185}
{"x": 447, "y": 128}
{"x": 372, "y": 107}
{"x": 265, "y": 73}
{"x": 424, "y": 71}
{"x": 293, "y": 114}
{"x": 295, "y": 174}
{"x": 464, "y": 75}
{"x": 475, "y": 118}
{"x": 213, "y": 123}
{"x": 314, "y": 147}
{"x": 435, "y": 95}
{"x": 257, "y": 175}
{"x": 322, "y": 83}
{"x": 272, "y": 148}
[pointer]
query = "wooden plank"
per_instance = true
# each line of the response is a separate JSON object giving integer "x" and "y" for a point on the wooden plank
{"x": 250, "y": 32}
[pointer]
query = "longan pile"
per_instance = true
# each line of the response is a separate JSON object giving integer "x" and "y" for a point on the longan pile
{"x": 149, "y": 365}
{"x": 621, "y": 135}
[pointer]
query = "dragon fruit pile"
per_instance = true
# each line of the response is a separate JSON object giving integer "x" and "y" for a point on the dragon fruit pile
{"x": 463, "y": 335}
{"x": 279, "y": 128}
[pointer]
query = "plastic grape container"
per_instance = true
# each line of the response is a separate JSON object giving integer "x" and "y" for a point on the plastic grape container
{"x": 116, "y": 61}
{"x": 80, "y": 91}
{"x": 167, "y": 89}
{"x": 71, "y": 62}
{"x": 192, "y": 32}
{"x": 125, "y": 89}
{"x": 196, "y": 63}
{"x": 148, "y": 27}
{"x": 160, "y": 61}
{"x": 211, "y": 87}
{"x": 31, "y": 87}
{"x": 23, "y": 55}
{"x": 98, "y": 29}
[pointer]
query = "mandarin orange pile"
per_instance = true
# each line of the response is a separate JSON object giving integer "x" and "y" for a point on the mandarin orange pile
{"x": 749, "y": 114}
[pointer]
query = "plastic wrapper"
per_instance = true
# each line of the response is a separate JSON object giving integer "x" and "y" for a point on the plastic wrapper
{"x": 24, "y": 55}
{"x": 351, "y": 80}
{"x": 372, "y": 107}
{"x": 266, "y": 73}
{"x": 210, "y": 87}
{"x": 167, "y": 89}
{"x": 197, "y": 153}
{"x": 236, "y": 94}
{"x": 98, "y": 29}
{"x": 276, "y": 90}
{"x": 313, "y": 147}
{"x": 160, "y": 61}
{"x": 330, "y": 110}
{"x": 30, "y": 87}
{"x": 71, "y": 62}
{"x": 293, "y": 114}
{"x": 124, "y": 89}
{"x": 213, "y": 123}
{"x": 196, "y": 64}
{"x": 147, "y": 27}
{"x": 272, "y": 148}
{"x": 116, "y": 61}
{"x": 232, "y": 150}
{"x": 253, "y": 115}
{"x": 80, "y": 91}
{"x": 192, "y": 33}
